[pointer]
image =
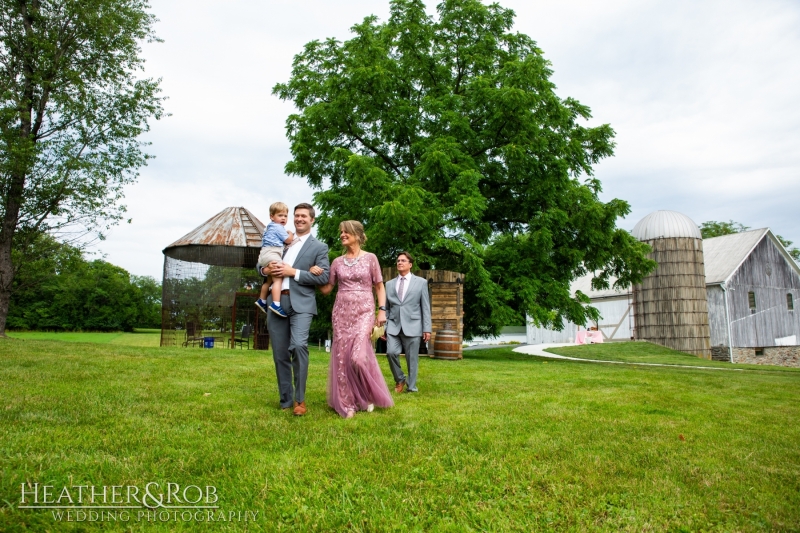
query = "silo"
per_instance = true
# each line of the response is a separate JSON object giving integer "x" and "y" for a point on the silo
{"x": 670, "y": 306}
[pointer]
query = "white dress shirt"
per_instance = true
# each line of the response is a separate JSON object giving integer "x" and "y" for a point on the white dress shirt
{"x": 291, "y": 256}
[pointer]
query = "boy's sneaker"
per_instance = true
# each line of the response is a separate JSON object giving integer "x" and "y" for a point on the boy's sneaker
{"x": 277, "y": 309}
{"x": 261, "y": 304}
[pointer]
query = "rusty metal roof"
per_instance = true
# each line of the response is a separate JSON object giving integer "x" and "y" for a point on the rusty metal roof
{"x": 233, "y": 226}
{"x": 231, "y": 238}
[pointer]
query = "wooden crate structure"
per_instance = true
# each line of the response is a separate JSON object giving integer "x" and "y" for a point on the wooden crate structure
{"x": 446, "y": 291}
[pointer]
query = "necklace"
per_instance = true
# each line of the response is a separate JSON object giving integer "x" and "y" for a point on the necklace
{"x": 354, "y": 261}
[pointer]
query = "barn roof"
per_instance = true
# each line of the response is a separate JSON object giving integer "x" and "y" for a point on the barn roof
{"x": 584, "y": 284}
{"x": 724, "y": 255}
{"x": 233, "y": 226}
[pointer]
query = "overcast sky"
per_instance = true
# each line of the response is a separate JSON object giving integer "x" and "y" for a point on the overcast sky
{"x": 704, "y": 97}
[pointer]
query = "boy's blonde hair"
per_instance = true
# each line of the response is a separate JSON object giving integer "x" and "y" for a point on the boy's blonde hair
{"x": 278, "y": 207}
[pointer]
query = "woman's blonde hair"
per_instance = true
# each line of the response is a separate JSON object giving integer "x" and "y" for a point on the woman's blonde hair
{"x": 354, "y": 228}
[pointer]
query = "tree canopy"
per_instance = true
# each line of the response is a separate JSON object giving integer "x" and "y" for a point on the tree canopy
{"x": 71, "y": 110}
{"x": 712, "y": 228}
{"x": 445, "y": 137}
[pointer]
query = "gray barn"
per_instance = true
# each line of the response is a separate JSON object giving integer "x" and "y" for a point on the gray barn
{"x": 753, "y": 286}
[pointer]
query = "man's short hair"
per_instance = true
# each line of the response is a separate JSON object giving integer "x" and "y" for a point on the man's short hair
{"x": 408, "y": 256}
{"x": 278, "y": 207}
{"x": 309, "y": 207}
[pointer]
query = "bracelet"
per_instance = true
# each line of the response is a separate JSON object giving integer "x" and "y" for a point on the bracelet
{"x": 381, "y": 308}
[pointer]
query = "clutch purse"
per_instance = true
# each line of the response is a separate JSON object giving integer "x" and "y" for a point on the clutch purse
{"x": 377, "y": 332}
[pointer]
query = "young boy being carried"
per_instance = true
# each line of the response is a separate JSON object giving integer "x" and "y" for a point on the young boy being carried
{"x": 272, "y": 243}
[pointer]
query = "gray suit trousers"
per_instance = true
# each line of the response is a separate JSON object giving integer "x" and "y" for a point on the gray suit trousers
{"x": 401, "y": 343}
{"x": 289, "y": 337}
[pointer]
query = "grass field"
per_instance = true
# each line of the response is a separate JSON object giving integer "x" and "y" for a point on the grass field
{"x": 499, "y": 441}
{"x": 140, "y": 337}
{"x": 645, "y": 352}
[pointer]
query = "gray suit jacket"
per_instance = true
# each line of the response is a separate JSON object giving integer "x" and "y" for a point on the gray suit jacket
{"x": 302, "y": 292}
{"x": 413, "y": 314}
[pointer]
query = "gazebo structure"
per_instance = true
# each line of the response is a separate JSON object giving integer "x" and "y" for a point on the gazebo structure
{"x": 210, "y": 284}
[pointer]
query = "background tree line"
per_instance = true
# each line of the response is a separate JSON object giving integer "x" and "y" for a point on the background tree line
{"x": 56, "y": 287}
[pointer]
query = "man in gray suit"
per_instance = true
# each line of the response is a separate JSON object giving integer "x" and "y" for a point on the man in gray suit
{"x": 408, "y": 319}
{"x": 289, "y": 336}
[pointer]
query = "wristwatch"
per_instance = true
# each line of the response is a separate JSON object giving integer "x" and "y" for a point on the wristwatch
{"x": 381, "y": 308}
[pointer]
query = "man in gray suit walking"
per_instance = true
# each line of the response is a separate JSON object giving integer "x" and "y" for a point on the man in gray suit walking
{"x": 289, "y": 336}
{"x": 408, "y": 319}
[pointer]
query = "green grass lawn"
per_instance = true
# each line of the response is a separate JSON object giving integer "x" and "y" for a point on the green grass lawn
{"x": 140, "y": 337}
{"x": 645, "y": 352}
{"x": 499, "y": 441}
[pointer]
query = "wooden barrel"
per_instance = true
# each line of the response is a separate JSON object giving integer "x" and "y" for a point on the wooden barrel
{"x": 447, "y": 345}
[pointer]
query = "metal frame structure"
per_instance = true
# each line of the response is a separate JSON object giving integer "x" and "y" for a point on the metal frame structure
{"x": 204, "y": 272}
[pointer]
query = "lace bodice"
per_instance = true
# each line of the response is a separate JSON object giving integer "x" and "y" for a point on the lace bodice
{"x": 359, "y": 277}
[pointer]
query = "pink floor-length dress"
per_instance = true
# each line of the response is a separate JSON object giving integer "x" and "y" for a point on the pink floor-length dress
{"x": 354, "y": 377}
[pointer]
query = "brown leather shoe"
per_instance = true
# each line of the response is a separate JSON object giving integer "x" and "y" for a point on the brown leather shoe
{"x": 299, "y": 408}
{"x": 399, "y": 387}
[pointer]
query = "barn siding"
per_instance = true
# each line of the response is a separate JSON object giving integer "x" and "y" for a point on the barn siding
{"x": 537, "y": 335}
{"x": 717, "y": 321}
{"x": 615, "y": 323}
{"x": 617, "y": 318}
{"x": 766, "y": 273}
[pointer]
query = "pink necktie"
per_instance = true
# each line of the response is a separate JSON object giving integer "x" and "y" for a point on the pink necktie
{"x": 400, "y": 290}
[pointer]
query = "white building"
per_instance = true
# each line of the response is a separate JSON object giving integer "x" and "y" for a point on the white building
{"x": 616, "y": 310}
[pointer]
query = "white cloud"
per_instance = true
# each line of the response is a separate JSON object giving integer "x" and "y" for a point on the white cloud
{"x": 702, "y": 94}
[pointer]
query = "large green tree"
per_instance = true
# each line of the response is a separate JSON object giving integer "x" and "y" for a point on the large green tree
{"x": 71, "y": 110}
{"x": 445, "y": 137}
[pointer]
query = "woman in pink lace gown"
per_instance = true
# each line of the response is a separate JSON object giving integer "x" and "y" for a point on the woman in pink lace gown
{"x": 355, "y": 381}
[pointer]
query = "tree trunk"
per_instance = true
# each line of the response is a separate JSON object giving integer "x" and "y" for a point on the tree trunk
{"x": 6, "y": 277}
{"x": 6, "y": 268}
{"x": 7, "y": 230}
{"x": 18, "y": 174}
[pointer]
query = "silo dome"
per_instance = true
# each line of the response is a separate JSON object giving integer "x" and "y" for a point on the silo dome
{"x": 666, "y": 225}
